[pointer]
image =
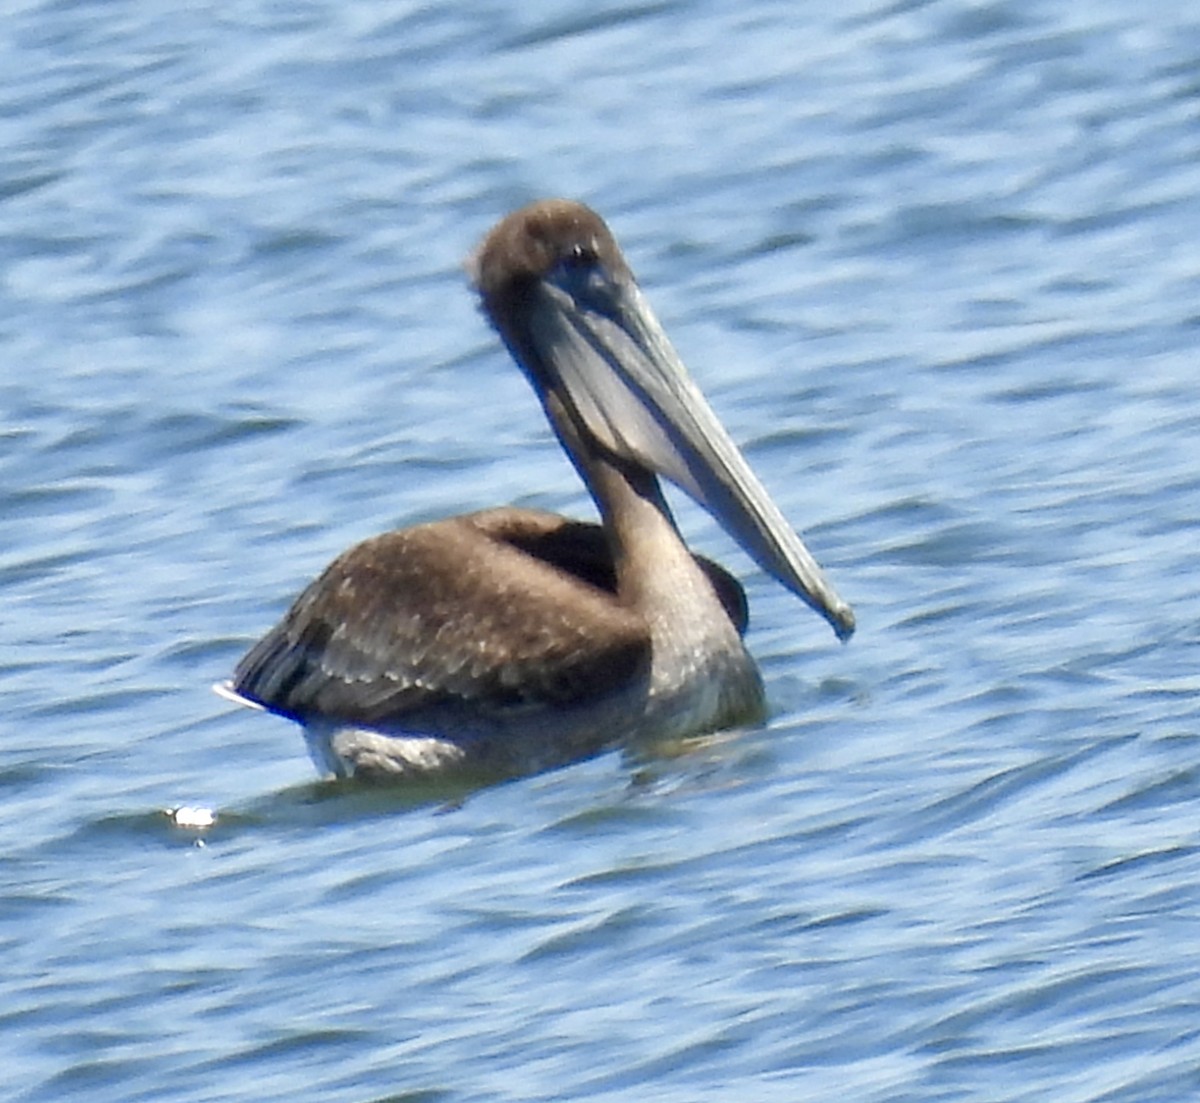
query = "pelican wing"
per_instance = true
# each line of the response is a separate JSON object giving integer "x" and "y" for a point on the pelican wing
{"x": 455, "y": 614}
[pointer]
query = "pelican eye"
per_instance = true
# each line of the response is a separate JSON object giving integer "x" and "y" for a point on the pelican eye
{"x": 584, "y": 276}
{"x": 580, "y": 255}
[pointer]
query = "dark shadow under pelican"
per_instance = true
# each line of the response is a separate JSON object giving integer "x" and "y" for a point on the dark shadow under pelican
{"x": 514, "y": 640}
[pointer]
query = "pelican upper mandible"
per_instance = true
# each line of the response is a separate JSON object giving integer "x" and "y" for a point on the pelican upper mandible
{"x": 513, "y": 640}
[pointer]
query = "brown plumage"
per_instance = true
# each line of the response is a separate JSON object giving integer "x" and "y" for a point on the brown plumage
{"x": 515, "y": 639}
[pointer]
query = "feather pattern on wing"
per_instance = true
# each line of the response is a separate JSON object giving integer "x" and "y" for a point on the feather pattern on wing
{"x": 498, "y": 610}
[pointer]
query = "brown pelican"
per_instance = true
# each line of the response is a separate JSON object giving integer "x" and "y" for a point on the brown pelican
{"x": 513, "y": 640}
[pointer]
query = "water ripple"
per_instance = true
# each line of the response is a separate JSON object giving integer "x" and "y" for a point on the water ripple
{"x": 935, "y": 265}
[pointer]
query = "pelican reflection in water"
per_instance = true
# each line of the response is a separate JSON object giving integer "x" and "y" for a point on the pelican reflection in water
{"x": 513, "y": 640}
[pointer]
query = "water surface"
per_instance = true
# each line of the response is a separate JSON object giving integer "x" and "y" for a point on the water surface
{"x": 935, "y": 265}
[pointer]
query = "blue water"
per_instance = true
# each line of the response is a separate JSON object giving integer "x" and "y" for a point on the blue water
{"x": 935, "y": 264}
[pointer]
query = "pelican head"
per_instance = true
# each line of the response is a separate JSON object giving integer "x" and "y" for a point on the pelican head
{"x": 555, "y": 286}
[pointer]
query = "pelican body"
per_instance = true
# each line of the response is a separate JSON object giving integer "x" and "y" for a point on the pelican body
{"x": 514, "y": 640}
